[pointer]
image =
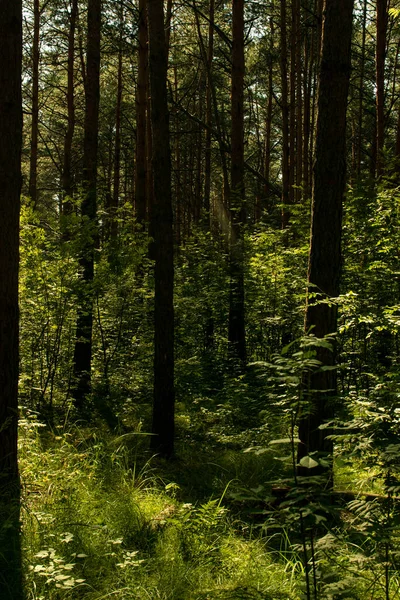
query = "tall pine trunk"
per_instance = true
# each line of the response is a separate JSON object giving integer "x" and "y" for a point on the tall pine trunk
{"x": 35, "y": 104}
{"x": 117, "y": 145}
{"x": 326, "y": 222}
{"x": 209, "y": 108}
{"x": 285, "y": 115}
{"x": 381, "y": 29}
{"x": 67, "y": 166}
{"x": 164, "y": 393}
{"x": 10, "y": 188}
{"x": 84, "y": 326}
{"x": 236, "y": 325}
{"x": 141, "y": 116}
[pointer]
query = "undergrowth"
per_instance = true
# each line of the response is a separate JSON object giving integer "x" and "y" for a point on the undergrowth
{"x": 101, "y": 518}
{"x": 96, "y": 525}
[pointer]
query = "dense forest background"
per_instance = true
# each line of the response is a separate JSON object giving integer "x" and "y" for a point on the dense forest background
{"x": 207, "y": 355}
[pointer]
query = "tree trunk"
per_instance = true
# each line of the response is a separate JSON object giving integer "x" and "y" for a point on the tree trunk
{"x": 292, "y": 106}
{"x": 35, "y": 105}
{"x": 84, "y": 326}
{"x": 117, "y": 148}
{"x": 325, "y": 245}
{"x": 141, "y": 110}
{"x": 67, "y": 170}
{"x": 10, "y": 188}
{"x": 268, "y": 128}
{"x": 381, "y": 28}
{"x": 164, "y": 393}
{"x": 299, "y": 105}
{"x": 361, "y": 98}
{"x": 207, "y": 166}
{"x": 285, "y": 117}
{"x": 236, "y": 326}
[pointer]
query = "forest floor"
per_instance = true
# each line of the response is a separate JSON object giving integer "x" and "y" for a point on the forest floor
{"x": 102, "y": 518}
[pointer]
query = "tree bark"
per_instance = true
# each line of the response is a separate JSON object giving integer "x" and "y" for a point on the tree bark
{"x": 141, "y": 117}
{"x": 84, "y": 326}
{"x": 268, "y": 128}
{"x": 381, "y": 29}
{"x": 67, "y": 169}
{"x": 325, "y": 244}
{"x": 285, "y": 116}
{"x": 207, "y": 166}
{"x": 164, "y": 393}
{"x": 10, "y": 188}
{"x": 35, "y": 104}
{"x": 117, "y": 147}
{"x": 236, "y": 325}
{"x": 361, "y": 98}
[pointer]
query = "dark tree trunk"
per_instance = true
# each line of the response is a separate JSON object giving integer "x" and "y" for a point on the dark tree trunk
{"x": 207, "y": 166}
{"x": 236, "y": 326}
{"x": 268, "y": 128}
{"x": 361, "y": 98}
{"x": 84, "y": 326}
{"x": 325, "y": 246}
{"x": 299, "y": 105}
{"x": 10, "y": 188}
{"x": 164, "y": 393}
{"x": 381, "y": 29}
{"x": 67, "y": 169}
{"x": 168, "y": 19}
{"x": 117, "y": 147}
{"x": 285, "y": 116}
{"x": 141, "y": 119}
{"x": 35, "y": 104}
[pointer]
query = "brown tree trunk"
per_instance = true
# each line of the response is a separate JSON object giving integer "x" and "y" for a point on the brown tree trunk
{"x": 326, "y": 225}
{"x": 207, "y": 166}
{"x": 268, "y": 128}
{"x": 361, "y": 98}
{"x": 299, "y": 106}
{"x": 10, "y": 188}
{"x": 381, "y": 29}
{"x": 164, "y": 394}
{"x": 67, "y": 170}
{"x": 35, "y": 105}
{"x": 141, "y": 118}
{"x": 285, "y": 117}
{"x": 84, "y": 326}
{"x": 236, "y": 325}
{"x": 117, "y": 147}
{"x": 292, "y": 105}
{"x": 168, "y": 19}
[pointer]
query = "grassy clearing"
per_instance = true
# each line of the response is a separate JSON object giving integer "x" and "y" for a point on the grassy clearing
{"x": 95, "y": 526}
{"x": 103, "y": 520}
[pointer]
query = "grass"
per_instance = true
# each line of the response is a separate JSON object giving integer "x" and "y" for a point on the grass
{"x": 95, "y": 525}
{"x": 103, "y": 519}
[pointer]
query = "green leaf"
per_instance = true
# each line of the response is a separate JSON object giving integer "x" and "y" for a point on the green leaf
{"x": 308, "y": 462}
{"x": 285, "y": 441}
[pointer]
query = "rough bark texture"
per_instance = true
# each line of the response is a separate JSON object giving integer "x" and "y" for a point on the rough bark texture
{"x": 35, "y": 104}
{"x": 381, "y": 28}
{"x": 141, "y": 111}
{"x": 84, "y": 326}
{"x": 268, "y": 127}
{"x": 325, "y": 246}
{"x": 236, "y": 326}
{"x": 10, "y": 187}
{"x": 117, "y": 146}
{"x": 361, "y": 97}
{"x": 209, "y": 121}
{"x": 164, "y": 394}
{"x": 67, "y": 169}
{"x": 285, "y": 115}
